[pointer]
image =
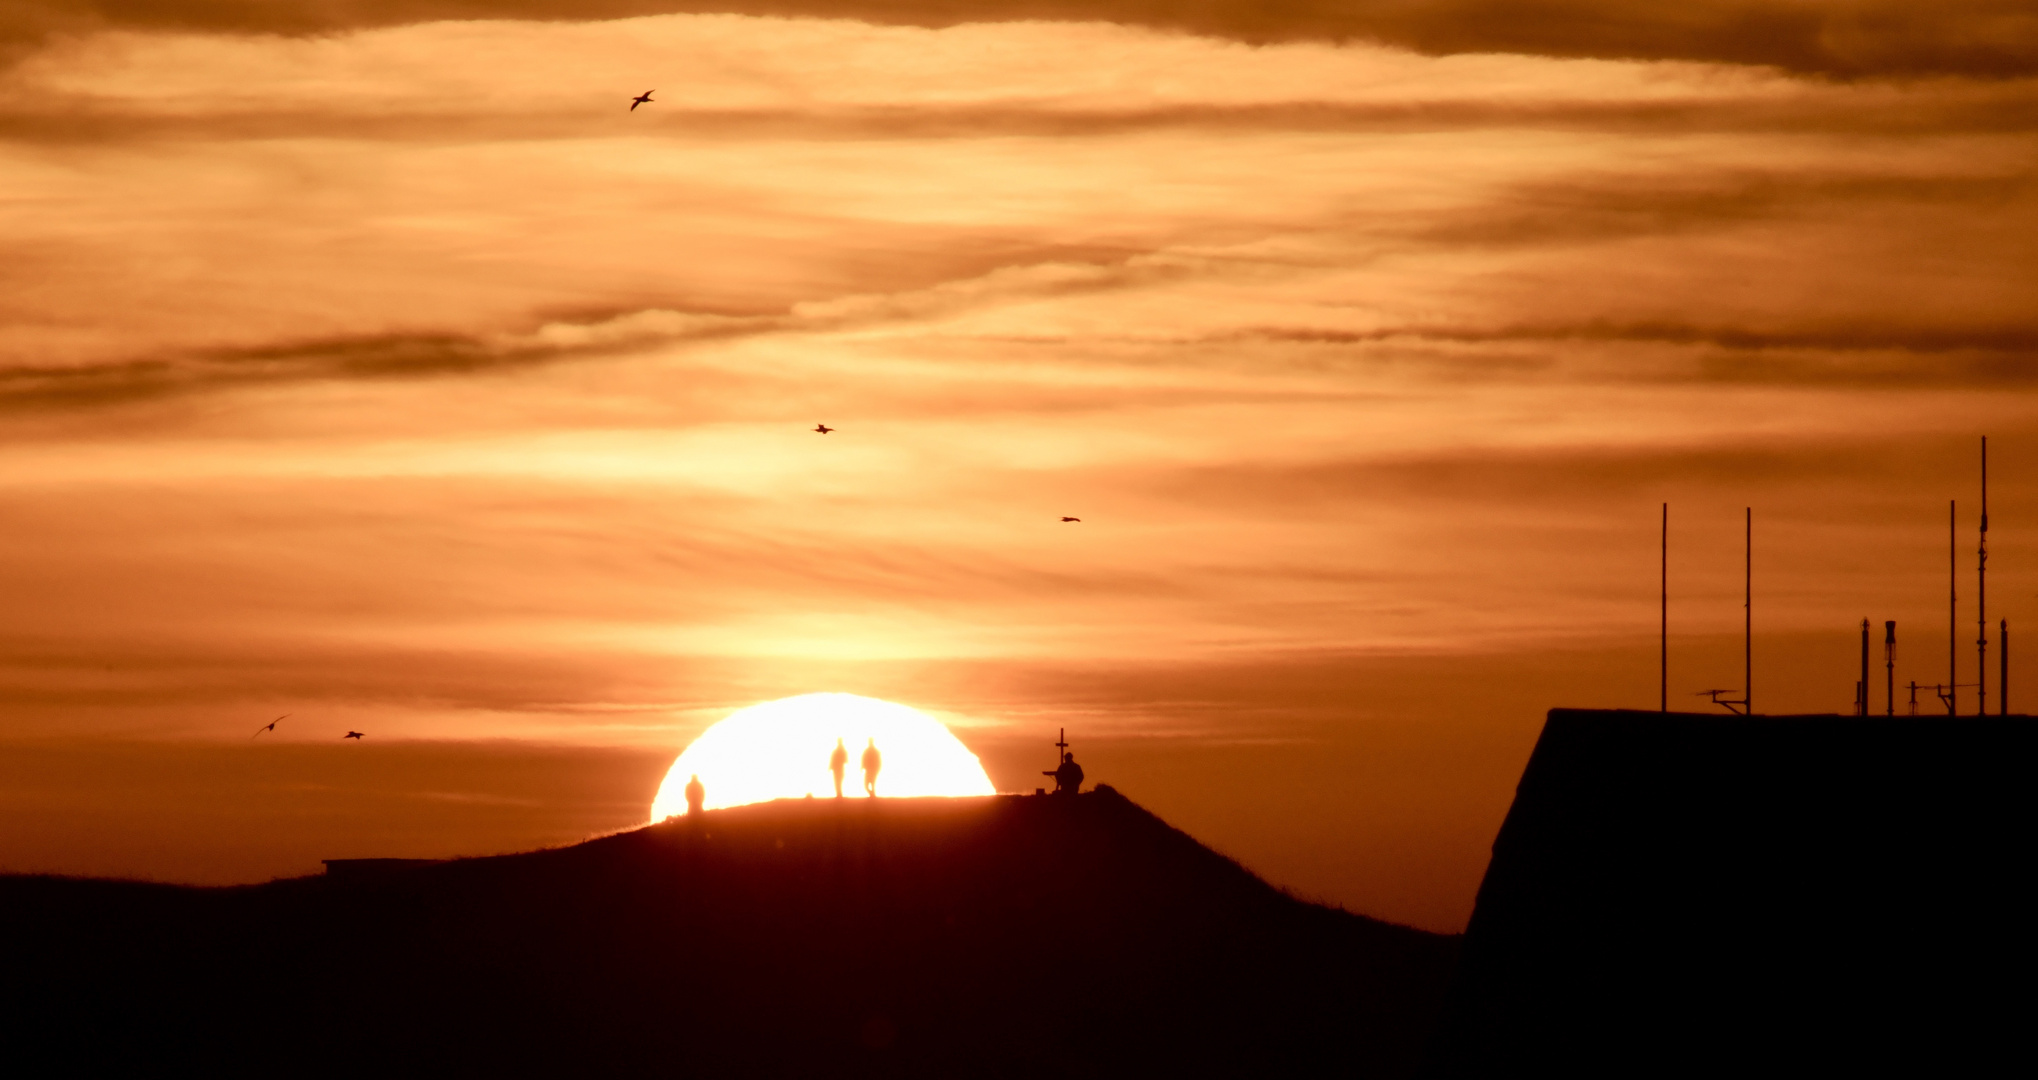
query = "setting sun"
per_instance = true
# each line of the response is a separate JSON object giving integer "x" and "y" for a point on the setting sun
{"x": 780, "y": 750}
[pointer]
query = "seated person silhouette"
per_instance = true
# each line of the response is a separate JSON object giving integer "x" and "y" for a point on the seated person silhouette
{"x": 695, "y": 793}
{"x": 1068, "y": 777}
{"x": 872, "y": 761}
{"x": 838, "y": 761}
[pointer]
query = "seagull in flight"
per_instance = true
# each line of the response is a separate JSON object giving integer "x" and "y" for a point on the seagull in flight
{"x": 271, "y": 725}
{"x": 1071, "y": 519}
{"x": 823, "y": 428}
{"x": 641, "y": 99}
{"x": 351, "y": 735}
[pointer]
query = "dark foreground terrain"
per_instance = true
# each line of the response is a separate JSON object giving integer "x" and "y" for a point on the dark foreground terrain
{"x": 1722, "y": 895}
{"x": 999, "y": 937}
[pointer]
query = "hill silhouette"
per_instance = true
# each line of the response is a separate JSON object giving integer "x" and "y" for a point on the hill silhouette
{"x": 1006, "y": 936}
{"x": 1711, "y": 895}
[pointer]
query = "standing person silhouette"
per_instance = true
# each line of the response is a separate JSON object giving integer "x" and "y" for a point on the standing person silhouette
{"x": 1068, "y": 777}
{"x": 838, "y": 761}
{"x": 695, "y": 794}
{"x": 872, "y": 761}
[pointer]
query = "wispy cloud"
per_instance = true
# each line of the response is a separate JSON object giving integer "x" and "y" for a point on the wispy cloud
{"x": 406, "y": 370}
{"x": 1857, "y": 37}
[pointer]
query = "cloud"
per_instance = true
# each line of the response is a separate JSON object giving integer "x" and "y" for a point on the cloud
{"x": 38, "y": 387}
{"x": 2009, "y": 110}
{"x": 421, "y": 368}
{"x": 1847, "y": 38}
{"x": 28, "y": 387}
{"x": 2005, "y": 353}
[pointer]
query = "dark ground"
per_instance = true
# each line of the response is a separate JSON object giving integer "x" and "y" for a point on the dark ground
{"x": 1010, "y": 936}
{"x": 1716, "y": 895}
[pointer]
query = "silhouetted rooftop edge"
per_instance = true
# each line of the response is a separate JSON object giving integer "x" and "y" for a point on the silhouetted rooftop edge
{"x": 1699, "y": 891}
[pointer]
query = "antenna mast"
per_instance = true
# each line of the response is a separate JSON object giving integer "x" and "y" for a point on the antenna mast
{"x": 1889, "y": 665}
{"x": 1981, "y": 596}
{"x": 1745, "y": 705}
{"x": 1952, "y": 620}
{"x": 1663, "y": 661}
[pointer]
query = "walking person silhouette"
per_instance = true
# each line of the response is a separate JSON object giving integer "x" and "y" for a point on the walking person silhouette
{"x": 872, "y": 761}
{"x": 838, "y": 761}
{"x": 695, "y": 795}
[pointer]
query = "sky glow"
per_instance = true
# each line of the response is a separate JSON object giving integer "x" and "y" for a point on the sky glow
{"x": 390, "y": 372}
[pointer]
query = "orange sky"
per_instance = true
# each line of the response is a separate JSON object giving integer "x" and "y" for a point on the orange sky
{"x": 391, "y": 373}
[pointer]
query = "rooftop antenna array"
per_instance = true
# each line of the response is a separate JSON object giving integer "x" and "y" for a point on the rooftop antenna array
{"x": 1948, "y": 694}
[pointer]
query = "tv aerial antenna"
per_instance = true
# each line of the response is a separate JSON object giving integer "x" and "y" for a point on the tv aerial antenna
{"x": 1743, "y": 705}
{"x": 1739, "y": 706}
{"x": 1730, "y": 704}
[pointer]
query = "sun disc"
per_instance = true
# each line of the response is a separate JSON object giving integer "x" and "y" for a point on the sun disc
{"x": 780, "y": 749}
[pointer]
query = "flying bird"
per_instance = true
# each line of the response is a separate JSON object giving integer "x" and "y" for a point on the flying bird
{"x": 351, "y": 735}
{"x": 641, "y": 99}
{"x": 1071, "y": 519}
{"x": 823, "y": 428}
{"x": 271, "y": 725}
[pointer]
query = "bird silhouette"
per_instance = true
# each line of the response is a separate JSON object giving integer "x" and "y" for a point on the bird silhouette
{"x": 1071, "y": 519}
{"x": 823, "y": 428}
{"x": 271, "y": 725}
{"x": 351, "y": 735}
{"x": 641, "y": 99}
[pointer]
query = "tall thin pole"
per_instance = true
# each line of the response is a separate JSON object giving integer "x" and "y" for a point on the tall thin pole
{"x": 1889, "y": 665}
{"x": 1663, "y": 660}
{"x": 1748, "y": 621}
{"x": 1981, "y": 596}
{"x": 2003, "y": 681}
{"x": 1952, "y": 619}
{"x": 1861, "y": 688}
